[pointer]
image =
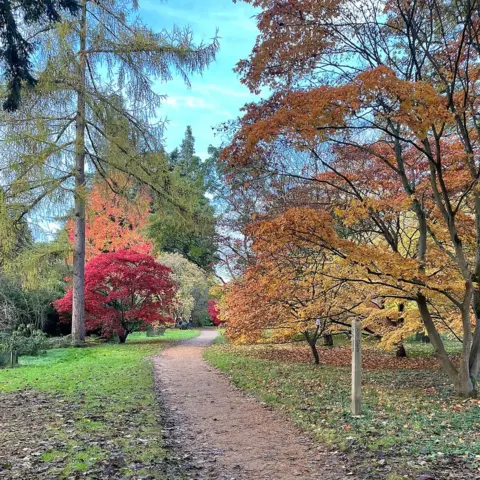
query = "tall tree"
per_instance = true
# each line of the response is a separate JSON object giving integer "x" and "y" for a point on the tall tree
{"x": 96, "y": 70}
{"x": 189, "y": 231}
{"x": 366, "y": 90}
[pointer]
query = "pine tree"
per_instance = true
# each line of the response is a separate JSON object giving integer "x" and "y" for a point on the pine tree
{"x": 189, "y": 230}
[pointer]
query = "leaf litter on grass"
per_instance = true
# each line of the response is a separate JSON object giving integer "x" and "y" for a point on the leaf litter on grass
{"x": 411, "y": 422}
{"x": 93, "y": 415}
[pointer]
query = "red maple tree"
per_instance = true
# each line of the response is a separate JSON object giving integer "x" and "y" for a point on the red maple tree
{"x": 214, "y": 312}
{"x": 124, "y": 292}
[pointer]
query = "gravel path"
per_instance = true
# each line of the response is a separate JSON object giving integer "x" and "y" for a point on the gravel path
{"x": 220, "y": 433}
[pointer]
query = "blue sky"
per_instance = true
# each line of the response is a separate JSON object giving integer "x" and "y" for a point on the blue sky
{"x": 217, "y": 95}
{"x": 214, "y": 97}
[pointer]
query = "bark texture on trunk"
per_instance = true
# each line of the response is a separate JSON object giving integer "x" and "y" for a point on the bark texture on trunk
{"x": 78, "y": 309}
{"x": 461, "y": 378}
{"x": 312, "y": 342}
{"x": 316, "y": 356}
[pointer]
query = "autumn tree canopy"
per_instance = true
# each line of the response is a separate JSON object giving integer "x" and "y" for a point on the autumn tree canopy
{"x": 379, "y": 103}
{"x": 125, "y": 291}
{"x": 115, "y": 220}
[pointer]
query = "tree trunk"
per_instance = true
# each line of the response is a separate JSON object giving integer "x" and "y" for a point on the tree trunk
{"x": 401, "y": 352}
{"x": 123, "y": 337}
{"x": 316, "y": 356}
{"x": 78, "y": 309}
{"x": 474, "y": 361}
{"x": 475, "y": 350}
{"x": 312, "y": 342}
{"x": 466, "y": 383}
{"x": 328, "y": 340}
{"x": 461, "y": 378}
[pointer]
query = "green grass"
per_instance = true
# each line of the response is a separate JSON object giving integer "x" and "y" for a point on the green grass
{"x": 171, "y": 335}
{"x": 110, "y": 392}
{"x": 406, "y": 415}
{"x": 220, "y": 339}
{"x": 419, "y": 349}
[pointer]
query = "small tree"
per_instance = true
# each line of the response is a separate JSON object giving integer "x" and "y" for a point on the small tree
{"x": 192, "y": 282}
{"x": 214, "y": 312}
{"x": 124, "y": 292}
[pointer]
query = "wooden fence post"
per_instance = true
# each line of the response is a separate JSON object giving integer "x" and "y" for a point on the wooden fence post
{"x": 356, "y": 367}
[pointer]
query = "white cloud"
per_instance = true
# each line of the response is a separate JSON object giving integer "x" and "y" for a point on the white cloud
{"x": 187, "y": 102}
{"x": 211, "y": 88}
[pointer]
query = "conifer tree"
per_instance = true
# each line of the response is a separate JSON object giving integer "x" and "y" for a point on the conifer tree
{"x": 16, "y": 48}
{"x": 95, "y": 91}
{"x": 190, "y": 230}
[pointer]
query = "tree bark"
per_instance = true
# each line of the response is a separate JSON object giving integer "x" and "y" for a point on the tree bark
{"x": 316, "y": 356}
{"x": 123, "y": 337}
{"x": 461, "y": 378}
{"x": 312, "y": 342}
{"x": 78, "y": 309}
{"x": 467, "y": 382}
{"x": 401, "y": 352}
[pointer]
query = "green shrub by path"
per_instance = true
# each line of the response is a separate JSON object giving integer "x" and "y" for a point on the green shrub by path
{"x": 111, "y": 401}
{"x": 410, "y": 419}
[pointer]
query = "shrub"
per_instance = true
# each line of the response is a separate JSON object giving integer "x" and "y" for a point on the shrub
{"x": 59, "y": 342}
{"x": 34, "y": 344}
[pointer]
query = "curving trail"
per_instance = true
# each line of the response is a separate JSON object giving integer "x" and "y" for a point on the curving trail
{"x": 220, "y": 433}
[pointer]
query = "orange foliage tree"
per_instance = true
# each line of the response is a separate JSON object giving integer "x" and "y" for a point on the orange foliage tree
{"x": 381, "y": 98}
{"x": 115, "y": 221}
{"x": 298, "y": 285}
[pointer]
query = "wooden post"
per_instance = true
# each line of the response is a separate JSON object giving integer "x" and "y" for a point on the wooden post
{"x": 356, "y": 367}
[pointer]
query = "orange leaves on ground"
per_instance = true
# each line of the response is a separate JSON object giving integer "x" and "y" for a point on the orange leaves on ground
{"x": 372, "y": 358}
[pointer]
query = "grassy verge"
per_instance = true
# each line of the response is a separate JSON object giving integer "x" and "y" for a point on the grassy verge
{"x": 98, "y": 418}
{"x": 170, "y": 335}
{"x": 220, "y": 339}
{"x": 411, "y": 421}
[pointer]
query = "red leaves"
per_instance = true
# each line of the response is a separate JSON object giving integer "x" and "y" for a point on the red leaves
{"x": 124, "y": 291}
{"x": 214, "y": 312}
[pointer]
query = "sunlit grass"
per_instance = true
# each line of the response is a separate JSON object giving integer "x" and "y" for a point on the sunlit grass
{"x": 405, "y": 414}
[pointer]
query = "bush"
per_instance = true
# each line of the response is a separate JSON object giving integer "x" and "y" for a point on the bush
{"x": 22, "y": 307}
{"x": 34, "y": 344}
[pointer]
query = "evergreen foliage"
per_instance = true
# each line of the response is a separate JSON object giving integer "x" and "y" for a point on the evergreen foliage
{"x": 189, "y": 231}
{"x": 16, "y": 47}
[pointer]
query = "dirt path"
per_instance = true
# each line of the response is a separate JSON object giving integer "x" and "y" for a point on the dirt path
{"x": 220, "y": 433}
